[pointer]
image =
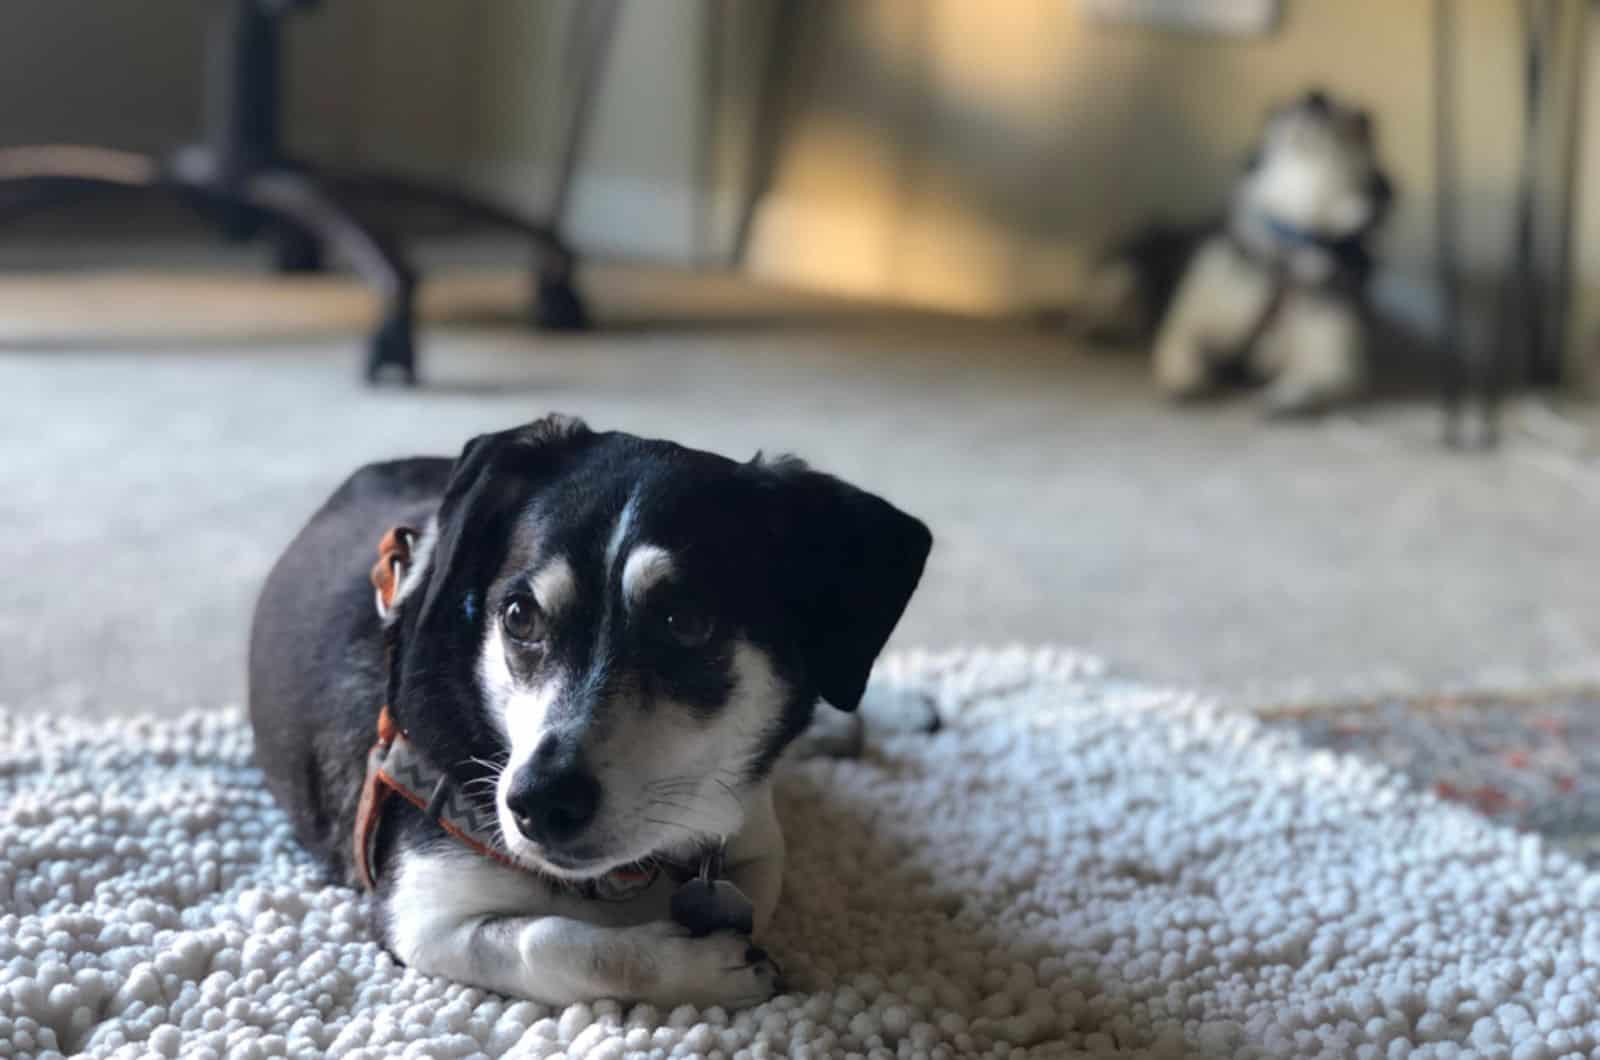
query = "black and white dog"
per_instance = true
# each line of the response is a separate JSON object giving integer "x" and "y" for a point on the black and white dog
{"x": 578, "y": 660}
{"x": 1275, "y": 293}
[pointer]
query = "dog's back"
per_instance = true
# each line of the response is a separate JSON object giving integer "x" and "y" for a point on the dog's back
{"x": 317, "y": 676}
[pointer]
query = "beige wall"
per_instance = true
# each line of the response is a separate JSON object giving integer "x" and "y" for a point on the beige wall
{"x": 953, "y": 156}
{"x": 960, "y": 153}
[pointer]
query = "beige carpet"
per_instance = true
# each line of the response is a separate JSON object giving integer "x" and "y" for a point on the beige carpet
{"x": 162, "y": 438}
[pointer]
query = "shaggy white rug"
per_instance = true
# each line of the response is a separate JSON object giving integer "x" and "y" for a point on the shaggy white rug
{"x": 1074, "y": 865}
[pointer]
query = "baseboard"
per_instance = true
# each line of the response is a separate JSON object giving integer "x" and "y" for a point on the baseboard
{"x": 948, "y": 263}
{"x": 621, "y": 216}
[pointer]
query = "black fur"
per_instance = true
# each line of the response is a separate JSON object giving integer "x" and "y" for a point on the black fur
{"x": 811, "y": 570}
{"x": 317, "y": 652}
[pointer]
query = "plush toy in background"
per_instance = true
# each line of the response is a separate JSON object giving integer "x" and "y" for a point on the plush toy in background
{"x": 1273, "y": 294}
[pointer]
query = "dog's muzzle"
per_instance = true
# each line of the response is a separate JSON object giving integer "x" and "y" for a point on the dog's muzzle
{"x": 552, "y": 807}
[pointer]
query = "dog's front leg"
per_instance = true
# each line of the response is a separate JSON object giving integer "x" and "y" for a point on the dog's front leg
{"x": 1320, "y": 344}
{"x": 761, "y": 881}
{"x": 1220, "y": 299}
{"x": 560, "y": 961}
{"x": 447, "y": 914}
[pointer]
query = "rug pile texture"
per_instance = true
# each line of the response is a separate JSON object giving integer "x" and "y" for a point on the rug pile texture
{"x": 1075, "y": 865}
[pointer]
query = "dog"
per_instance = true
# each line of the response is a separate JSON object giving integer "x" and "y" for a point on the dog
{"x": 1273, "y": 294}
{"x": 579, "y": 658}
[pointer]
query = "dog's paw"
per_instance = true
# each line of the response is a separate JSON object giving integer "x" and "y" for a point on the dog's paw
{"x": 724, "y": 969}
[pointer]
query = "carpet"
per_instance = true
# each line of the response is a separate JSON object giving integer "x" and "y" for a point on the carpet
{"x": 1075, "y": 865}
{"x": 1529, "y": 760}
{"x": 1069, "y": 503}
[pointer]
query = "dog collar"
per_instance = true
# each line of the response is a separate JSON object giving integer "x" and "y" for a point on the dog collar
{"x": 396, "y": 767}
{"x": 1295, "y": 236}
{"x": 1274, "y": 241}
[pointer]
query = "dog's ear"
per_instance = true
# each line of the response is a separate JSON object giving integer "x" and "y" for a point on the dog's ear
{"x": 396, "y": 555}
{"x": 491, "y": 482}
{"x": 848, "y": 564}
{"x": 1361, "y": 126}
{"x": 490, "y": 485}
{"x": 1381, "y": 191}
{"x": 492, "y": 471}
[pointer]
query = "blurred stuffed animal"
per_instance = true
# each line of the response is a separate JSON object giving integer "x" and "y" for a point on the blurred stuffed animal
{"x": 1275, "y": 293}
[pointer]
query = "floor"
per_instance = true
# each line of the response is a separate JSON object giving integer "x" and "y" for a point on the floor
{"x": 164, "y": 434}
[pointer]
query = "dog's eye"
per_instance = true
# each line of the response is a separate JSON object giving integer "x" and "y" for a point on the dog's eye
{"x": 522, "y": 620}
{"x": 688, "y": 625}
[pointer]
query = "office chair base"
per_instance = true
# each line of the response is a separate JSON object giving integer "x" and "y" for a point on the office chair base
{"x": 557, "y": 306}
{"x": 297, "y": 253}
{"x": 308, "y": 215}
{"x": 391, "y": 353}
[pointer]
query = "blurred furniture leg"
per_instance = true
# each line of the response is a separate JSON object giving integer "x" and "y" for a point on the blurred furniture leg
{"x": 240, "y": 177}
{"x": 1533, "y": 318}
{"x": 1519, "y": 343}
{"x": 1454, "y": 359}
{"x": 557, "y": 306}
{"x": 37, "y": 178}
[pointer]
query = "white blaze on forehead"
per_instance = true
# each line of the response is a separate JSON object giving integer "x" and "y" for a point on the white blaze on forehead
{"x": 619, "y": 533}
{"x": 554, "y": 586}
{"x": 647, "y": 565}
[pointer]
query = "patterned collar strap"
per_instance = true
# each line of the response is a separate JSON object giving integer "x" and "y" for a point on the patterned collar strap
{"x": 396, "y": 767}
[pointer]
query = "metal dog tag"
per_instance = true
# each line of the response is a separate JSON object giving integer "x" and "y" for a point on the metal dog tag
{"x": 706, "y": 903}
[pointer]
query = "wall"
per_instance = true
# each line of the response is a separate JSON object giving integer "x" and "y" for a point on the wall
{"x": 956, "y": 157}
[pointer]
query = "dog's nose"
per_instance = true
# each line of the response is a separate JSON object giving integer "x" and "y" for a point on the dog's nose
{"x": 553, "y": 805}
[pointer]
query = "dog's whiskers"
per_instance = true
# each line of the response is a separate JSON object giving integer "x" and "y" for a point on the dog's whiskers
{"x": 673, "y": 784}
{"x": 670, "y": 824}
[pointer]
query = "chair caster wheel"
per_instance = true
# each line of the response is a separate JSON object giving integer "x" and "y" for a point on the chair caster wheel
{"x": 296, "y": 253}
{"x": 558, "y": 306}
{"x": 391, "y": 353}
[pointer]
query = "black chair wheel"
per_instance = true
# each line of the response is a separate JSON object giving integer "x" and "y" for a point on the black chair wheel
{"x": 558, "y": 306}
{"x": 297, "y": 253}
{"x": 392, "y": 353}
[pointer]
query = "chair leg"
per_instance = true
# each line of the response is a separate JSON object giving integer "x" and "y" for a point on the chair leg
{"x": 298, "y": 201}
{"x": 38, "y": 178}
{"x": 557, "y": 304}
{"x": 19, "y": 198}
{"x": 296, "y": 251}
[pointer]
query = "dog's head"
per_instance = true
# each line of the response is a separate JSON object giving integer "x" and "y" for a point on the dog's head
{"x": 1316, "y": 169}
{"x": 617, "y": 637}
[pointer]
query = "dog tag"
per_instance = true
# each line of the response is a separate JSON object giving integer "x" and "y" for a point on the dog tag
{"x": 706, "y": 904}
